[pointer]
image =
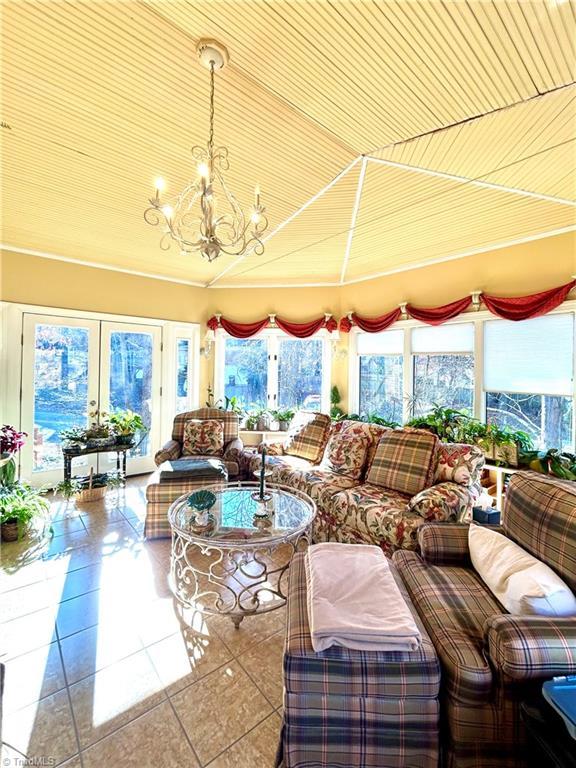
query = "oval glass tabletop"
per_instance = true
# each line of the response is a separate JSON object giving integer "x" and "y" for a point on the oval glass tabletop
{"x": 236, "y": 518}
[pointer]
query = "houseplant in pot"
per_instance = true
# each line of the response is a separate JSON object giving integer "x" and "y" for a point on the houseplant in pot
{"x": 251, "y": 421}
{"x": 11, "y": 441}
{"x": 100, "y": 432}
{"x": 20, "y": 504}
{"x": 284, "y": 418}
{"x": 125, "y": 425}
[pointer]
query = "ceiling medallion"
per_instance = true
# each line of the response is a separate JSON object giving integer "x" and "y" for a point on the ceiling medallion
{"x": 206, "y": 217}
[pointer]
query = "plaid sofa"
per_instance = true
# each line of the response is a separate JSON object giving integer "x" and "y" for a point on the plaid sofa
{"x": 232, "y": 454}
{"x": 364, "y": 510}
{"x": 492, "y": 661}
{"x": 354, "y": 708}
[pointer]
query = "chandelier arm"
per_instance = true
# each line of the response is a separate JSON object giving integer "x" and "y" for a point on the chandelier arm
{"x": 211, "y": 133}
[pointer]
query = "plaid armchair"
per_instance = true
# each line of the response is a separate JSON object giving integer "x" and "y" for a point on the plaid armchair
{"x": 491, "y": 660}
{"x": 233, "y": 446}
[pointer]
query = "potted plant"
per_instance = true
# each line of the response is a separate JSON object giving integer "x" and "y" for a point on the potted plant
{"x": 448, "y": 423}
{"x": 19, "y": 505}
{"x": 100, "y": 433}
{"x": 336, "y": 413}
{"x": 284, "y": 418}
{"x": 90, "y": 488}
{"x": 263, "y": 420}
{"x": 11, "y": 441}
{"x": 125, "y": 425}
{"x": 251, "y": 421}
{"x": 74, "y": 437}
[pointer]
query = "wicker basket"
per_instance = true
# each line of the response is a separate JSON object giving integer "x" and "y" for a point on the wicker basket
{"x": 91, "y": 494}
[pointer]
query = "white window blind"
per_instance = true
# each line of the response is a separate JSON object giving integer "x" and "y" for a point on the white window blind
{"x": 531, "y": 356}
{"x": 385, "y": 343}
{"x": 456, "y": 337}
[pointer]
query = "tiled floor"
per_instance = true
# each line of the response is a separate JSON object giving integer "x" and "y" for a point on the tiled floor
{"x": 104, "y": 668}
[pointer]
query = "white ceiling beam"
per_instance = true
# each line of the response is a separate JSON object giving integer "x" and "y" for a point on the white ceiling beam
{"x": 290, "y": 218}
{"x": 355, "y": 210}
{"x": 473, "y": 182}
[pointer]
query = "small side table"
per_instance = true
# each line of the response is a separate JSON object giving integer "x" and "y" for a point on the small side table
{"x": 118, "y": 449}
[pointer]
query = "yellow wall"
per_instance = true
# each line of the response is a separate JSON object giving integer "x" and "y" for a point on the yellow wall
{"x": 516, "y": 270}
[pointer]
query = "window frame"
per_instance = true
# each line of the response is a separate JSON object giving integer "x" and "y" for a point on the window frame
{"x": 273, "y": 336}
{"x": 478, "y": 318}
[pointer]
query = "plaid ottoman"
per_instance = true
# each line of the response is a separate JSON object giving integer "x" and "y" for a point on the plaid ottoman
{"x": 355, "y": 708}
{"x": 168, "y": 483}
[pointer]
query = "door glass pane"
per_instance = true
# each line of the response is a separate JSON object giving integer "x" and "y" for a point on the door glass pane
{"x": 60, "y": 389}
{"x": 381, "y": 378}
{"x": 300, "y": 374}
{"x": 445, "y": 380}
{"x": 131, "y": 377}
{"x": 182, "y": 375}
{"x": 246, "y": 371}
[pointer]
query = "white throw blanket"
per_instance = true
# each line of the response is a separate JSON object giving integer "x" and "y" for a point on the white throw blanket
{"x": 354, "y": 601}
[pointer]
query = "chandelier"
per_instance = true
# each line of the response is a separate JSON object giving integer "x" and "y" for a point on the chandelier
{"x": 206, "y": 217}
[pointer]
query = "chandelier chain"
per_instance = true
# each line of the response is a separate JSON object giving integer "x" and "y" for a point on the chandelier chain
{"x": 211, "y": 134}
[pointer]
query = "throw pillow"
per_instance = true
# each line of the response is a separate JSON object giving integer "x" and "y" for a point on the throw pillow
{"x": 459, "y": 463}
{"x": 404, "y": 461}
{"x": 308, "y": 437}
{"x": 346, "y": 453}
{"x": 523, "y": 584}
{"x": 203, "y": 437}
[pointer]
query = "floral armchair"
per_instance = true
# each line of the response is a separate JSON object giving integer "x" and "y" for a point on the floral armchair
{"x": 231, "y": 452}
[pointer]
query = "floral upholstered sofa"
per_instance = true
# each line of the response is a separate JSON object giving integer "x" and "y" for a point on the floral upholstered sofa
{"x": 372, "y": 484}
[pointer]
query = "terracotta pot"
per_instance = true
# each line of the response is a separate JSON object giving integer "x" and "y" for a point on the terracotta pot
{"x": 10, "y": 531}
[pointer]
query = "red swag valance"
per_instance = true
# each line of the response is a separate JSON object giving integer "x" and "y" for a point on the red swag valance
{"x": 524, "y": 307}
{"x": 515, "y": 308}
{"x": 298, "y": 330}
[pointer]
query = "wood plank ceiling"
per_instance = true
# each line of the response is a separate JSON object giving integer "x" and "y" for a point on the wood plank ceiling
{"x": 449, "y": 126}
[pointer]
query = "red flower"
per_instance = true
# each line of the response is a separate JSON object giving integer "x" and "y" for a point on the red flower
{"x": 11, "y": 440}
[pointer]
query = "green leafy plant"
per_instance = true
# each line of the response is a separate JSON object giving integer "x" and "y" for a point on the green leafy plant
{"x": 70, "y": 487}
{"x": 126, "y": 423}
{"x": 448, "y": 423}
{"x": 20, "y": 504}
{"x": 285, "y": 415}
{"x": 336, "y": 412}
{"x": 73, "y": 435}
{"x": 210, "y": 402}
{"x": 251, "y": 421}
{"x": 233, "y": 404}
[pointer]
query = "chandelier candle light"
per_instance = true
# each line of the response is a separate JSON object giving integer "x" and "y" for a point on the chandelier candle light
{"x": 191, "y": 220}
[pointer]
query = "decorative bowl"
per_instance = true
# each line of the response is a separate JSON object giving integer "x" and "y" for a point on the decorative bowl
{"x": 201, "y": 500}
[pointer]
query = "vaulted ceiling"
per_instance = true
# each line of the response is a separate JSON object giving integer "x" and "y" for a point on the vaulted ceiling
{"x": 384, "y": 135}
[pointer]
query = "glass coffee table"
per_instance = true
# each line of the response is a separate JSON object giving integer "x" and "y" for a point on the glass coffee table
{"x": 236, "y": 562}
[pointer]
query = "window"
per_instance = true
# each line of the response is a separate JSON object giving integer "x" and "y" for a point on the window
{"x": 528, "y": 377}
{"x": 443, "y": 358}
{"x": 381, "y": 374}
{"x": 246, "y": 371}
{"x": 300, "y": 374}
{"x": 182, "y": 375}
{"x": 276, "y": 371}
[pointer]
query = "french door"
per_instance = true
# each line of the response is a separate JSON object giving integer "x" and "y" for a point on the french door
{"x": 71, "y": 366}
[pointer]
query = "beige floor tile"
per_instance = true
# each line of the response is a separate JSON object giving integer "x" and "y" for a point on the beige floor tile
{"x": 32, "y": 676}
{"x": 68, "y": 585}
{"x": 97, "y": 517}
{"x": 29, "y": 632}
{"x": 78, "y": 613}
{"x": 68, "y": 541}
{"x": 93, "y": 649}
{"x": 219, "y": 709}
{"x": 43, "y": 730}
{"x": 72, "y": 560}
{"x": 17, "y": 577}
{"x": 263, "y": 662}
{"x": 112, "y": 697}
{"x": 19, "y": 602}
{"x": 74, "y": 762}
{"x": 158, "y": 619}
{"x": 257, "y": 749}
{"x": 253, "y": 629}
{"x": 67, "y": 524}
{"x": 187, "y": 656}
{"x": 152, "y": 740}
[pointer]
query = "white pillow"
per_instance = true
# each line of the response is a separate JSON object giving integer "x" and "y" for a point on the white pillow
{"x": 523, "y": 584}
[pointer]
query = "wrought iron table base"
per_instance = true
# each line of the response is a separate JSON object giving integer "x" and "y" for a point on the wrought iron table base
{"x": 236, "y": 581}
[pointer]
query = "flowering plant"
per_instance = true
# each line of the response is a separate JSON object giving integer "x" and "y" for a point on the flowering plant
{"x": 11, "y": 441}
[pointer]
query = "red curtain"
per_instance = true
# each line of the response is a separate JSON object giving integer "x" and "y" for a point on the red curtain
{"x": 376, "y": 324}
{"x": 345, "y": 325}
{"x": 246, "y": 330}
{"x": 301, "y": 330}
{"x": 243, "y": 330}
{"x": 524, "y": 307}
{"x": 439, "y": 315}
